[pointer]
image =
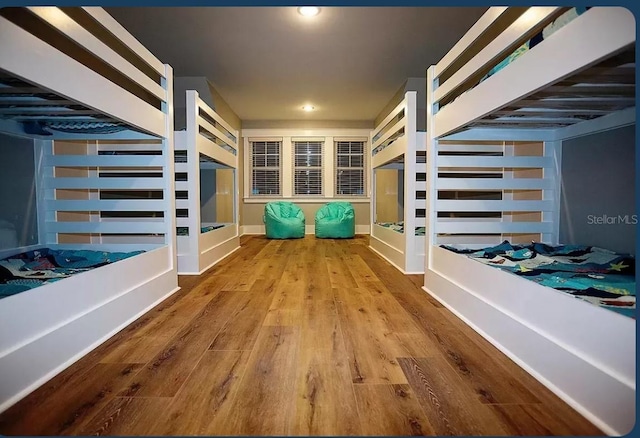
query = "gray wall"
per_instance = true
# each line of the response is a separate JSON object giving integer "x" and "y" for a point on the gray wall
{"x": 208, "y": 195}
{"x": 17, "y": 188}
{"x": 180, "y": 86}
{"x": 419, "y": 85}
{"x": 598, "y": 190}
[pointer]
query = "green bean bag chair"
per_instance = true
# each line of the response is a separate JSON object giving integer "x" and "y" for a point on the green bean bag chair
{"x": 336, "y": 220}
{"x": 283, "y": 220}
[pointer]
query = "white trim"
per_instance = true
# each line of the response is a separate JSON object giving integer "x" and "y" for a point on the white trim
{"x": 317, "y": 132}
{"x": 309, "y": 229}
{"x": 318, "y": 200}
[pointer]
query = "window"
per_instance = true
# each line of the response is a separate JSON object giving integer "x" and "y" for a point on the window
{"x": 307, "y": 168}
{"x": 350, "y": 168}
{"x": 265, "y": 168}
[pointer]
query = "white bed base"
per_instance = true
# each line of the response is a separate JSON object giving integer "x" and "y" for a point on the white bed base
{"x": 46, "y": 329}
{"x": 403, "y": 250}
{"x": 583, "y": 353}
{"x": 198, "y": 251}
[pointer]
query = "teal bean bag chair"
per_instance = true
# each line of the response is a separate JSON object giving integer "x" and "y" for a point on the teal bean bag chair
{"x": 283, "y": 220}
{"x": 336, "y": 220}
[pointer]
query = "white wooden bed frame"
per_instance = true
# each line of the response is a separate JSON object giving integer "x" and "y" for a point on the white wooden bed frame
{"x": 46, "y": 329}
{"x": 198, "y": 251}
{"x": 404, "y": 250}
{"x": 583, "y": 353}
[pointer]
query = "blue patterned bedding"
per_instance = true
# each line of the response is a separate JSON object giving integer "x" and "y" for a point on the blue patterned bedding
{"x": 184, "y": 231}
{"x": 549, "y": 30}
{"x": 596, "y": 275}
{"x": 399, "y": 227}
{"x": 25, "y": 271}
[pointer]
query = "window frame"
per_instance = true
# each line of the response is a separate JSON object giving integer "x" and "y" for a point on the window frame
{"x": 337, "y": 167}
{"x": 320, "y": 169}
{"x": 287, "y": 136}
{"x": 252, "y": 167}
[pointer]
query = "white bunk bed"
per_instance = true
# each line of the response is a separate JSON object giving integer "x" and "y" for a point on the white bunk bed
{"x": 78, "y": 66}
{"x": 396, "y": 144}
{"x": 505, "y": 134}
{"x": 208, "y": 142}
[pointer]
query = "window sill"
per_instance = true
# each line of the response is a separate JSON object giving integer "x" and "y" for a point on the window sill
{"x": 318, "y": 200}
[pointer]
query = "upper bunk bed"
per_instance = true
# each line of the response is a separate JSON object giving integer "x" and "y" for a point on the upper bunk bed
{"x": 398, "y": 204}
{"x": 536, "y": 68}
{"x": 500, "y": 107}
{"x": 206, "y": 188}
{"x": 94, "y": 108}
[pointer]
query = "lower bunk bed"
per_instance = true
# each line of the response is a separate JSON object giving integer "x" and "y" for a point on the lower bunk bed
{"x": 583, "y": 352}
{"x": 69, "y": 314}
{"x": 398, "y": 161}
{"x": 206, "y": 188}
{"x": 596, "y": 275}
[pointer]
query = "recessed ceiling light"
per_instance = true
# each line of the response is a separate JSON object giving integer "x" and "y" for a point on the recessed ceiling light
{"x": 308, "y": 11}
{"x": 308, "y": 108}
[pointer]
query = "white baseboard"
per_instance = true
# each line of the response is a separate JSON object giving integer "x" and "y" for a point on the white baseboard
{"x": 308, "y": 229}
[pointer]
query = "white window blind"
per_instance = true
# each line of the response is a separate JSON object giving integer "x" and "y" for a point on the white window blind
{"x": 350, "y": 168}
{"x": 307, "y": 168}
{"x": 265, "y": 168}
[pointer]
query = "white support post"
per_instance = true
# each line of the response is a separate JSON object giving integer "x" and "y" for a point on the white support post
{"x": 553, "y": 149}
{"x": 432, "y": 169}
{"x": 193, "y": 171}
{"x": 168, "y": 170}
{"x": 410, "y": 120}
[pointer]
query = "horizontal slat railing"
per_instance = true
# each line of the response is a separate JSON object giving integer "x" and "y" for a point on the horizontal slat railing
{"x": 108, "y": 227}
{"x": 118, "y": 31}
{"x": 473, "y": 34}
{"x": 497, "y": 49}
{"x": 105, "y": 160}
{"x": 382, "y": 125}
{"x": 495, "y": 184}
{"x": 215, "y": 116}
{"x": 20, "y": 51}
{"x": 65, "y": 24}
{"x": 105, "y": 183}
{"x": 588, "y": 39}
{"x": 494, "y": 162}
{"x": 497, "y": 227}
{"x": 105, "y": 205}
{"x": 394, "y": 130}
{"x": 461, "y": 205}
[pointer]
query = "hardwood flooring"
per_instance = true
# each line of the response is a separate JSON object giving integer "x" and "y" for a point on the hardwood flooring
{"x": 296, "y": 337}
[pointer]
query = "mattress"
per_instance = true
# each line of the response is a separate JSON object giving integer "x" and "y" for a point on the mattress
{"x": 184, "y": 231}
{"x": 399, "y": 227}
{"x": 599, "y": 276}
{"x": 27, "y": 270}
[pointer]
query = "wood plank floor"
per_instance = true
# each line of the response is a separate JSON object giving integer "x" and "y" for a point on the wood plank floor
{"x": 296, "y": 337}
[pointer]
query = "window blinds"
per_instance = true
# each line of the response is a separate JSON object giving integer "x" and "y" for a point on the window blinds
{"x": 265, "y": 167}
{"x": 307, "y": 167}
{"x": 350, "y": 168}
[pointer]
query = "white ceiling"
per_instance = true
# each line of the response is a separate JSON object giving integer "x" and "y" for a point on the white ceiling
{"x": 267, "y": 62}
